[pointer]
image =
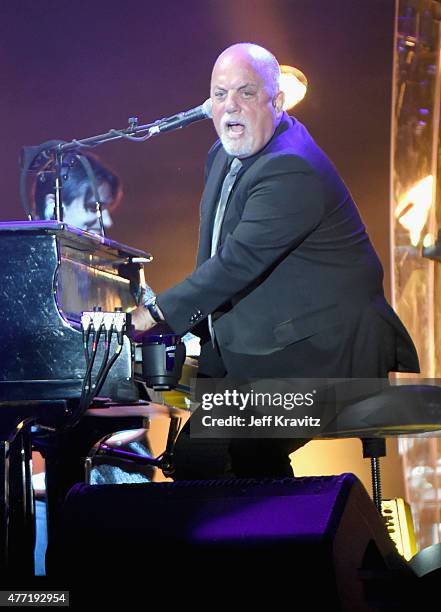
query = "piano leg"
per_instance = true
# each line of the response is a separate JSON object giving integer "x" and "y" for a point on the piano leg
{"x": 65, "y": 455}
{"x": 17, "y": 528}
{"x": 21, "y": 507}
{"x": 4, "y": 505}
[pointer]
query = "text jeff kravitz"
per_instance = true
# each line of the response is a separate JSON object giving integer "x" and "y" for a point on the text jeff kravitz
{"x": 264, "y": 421}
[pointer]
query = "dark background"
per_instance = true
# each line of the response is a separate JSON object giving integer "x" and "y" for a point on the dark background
{"x": 76, "y": 69}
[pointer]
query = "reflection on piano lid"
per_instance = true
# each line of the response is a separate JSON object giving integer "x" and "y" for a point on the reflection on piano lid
{"x": 50, "y": 273}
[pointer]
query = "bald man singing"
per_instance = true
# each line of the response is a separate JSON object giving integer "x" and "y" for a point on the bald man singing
{"x": 287, "y": 283}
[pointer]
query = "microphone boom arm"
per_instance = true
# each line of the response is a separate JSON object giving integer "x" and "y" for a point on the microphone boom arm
{"x": 149, "y": 129}
{"x": 52, "y": 152}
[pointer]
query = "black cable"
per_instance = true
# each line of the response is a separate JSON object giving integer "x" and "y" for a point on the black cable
{"x": 98, "y": 384}
{"x": 89, "y": 391}
{"x": 87, "y": 380}
{"x": 106, "y": 371}
{"x": 131, "y": 138}
{"x": 89, "y": 365}
{"x": 86, "y": 335}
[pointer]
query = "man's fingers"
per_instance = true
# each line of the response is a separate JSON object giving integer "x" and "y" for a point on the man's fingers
{"x": 141, "y": 319}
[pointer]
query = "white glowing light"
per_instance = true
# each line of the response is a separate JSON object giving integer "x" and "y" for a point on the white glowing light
{"x": 413, "y": 208}
{"x": 294, "y": 84}
{"x": 427, "y": 240}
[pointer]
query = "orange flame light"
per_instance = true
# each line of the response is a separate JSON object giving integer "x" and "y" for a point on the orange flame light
{"x": 294, "y": 84}
{"x": 413, "y": 208}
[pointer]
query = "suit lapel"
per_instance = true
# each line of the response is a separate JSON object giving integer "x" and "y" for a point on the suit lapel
{"x": 208, "y": 204}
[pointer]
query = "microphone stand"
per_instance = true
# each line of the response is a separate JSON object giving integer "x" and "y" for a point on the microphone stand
{"x": 58, "y": 185}
{"x": 160, "y": 125}
{"x": 33, "y": 158}
{"x": 52, "y": 152}
{"x": 128, "y": 133}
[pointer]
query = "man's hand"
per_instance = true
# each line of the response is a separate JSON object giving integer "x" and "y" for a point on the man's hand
{"x": 142, "y": 319}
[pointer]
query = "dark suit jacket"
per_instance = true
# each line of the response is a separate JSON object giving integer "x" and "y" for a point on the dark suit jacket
{"x": 294, "y": 258}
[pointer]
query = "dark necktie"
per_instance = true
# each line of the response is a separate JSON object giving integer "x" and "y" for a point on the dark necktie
{"x": 227, "y": 187}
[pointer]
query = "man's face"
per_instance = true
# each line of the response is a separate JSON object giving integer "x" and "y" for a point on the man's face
{"x": 81, "y": 212}
{"x": 244, "y": 113}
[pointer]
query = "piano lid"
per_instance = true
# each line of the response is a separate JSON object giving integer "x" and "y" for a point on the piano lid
{"x": 49, "y": 274}
{"x": 62, "y": 229}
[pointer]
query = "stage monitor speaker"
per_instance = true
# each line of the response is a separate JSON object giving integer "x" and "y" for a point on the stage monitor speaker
{"x": 319, "y": 537}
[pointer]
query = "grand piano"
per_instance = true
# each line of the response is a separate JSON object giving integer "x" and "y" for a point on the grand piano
{"x": 50, "y": 274}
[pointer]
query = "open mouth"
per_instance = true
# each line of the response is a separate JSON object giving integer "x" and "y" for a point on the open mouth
{"x": 234, "y": 127}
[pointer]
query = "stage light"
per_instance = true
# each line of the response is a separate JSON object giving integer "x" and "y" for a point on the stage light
{"x": 427, "y": 240}
{"x": 413, "y": 208}
{"x": 294, "y": 83}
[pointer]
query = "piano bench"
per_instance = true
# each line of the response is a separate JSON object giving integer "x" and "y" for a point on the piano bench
{"x": 397, "y": 410}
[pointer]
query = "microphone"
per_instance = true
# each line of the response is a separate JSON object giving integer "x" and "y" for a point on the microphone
{"x": 182, "y": 119}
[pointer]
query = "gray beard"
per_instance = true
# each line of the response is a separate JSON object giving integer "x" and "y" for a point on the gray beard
{"x": 238, "y": 149}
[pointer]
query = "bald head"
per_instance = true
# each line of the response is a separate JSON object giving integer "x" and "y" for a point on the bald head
{"x": 260, "y": 59}
{"x": 247, "y": 101}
